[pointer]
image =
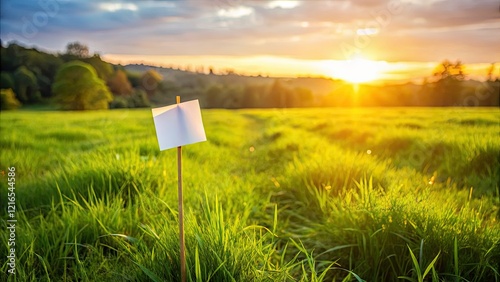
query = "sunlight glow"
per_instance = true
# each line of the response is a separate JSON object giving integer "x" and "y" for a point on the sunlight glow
{"x": 357, "y": 70}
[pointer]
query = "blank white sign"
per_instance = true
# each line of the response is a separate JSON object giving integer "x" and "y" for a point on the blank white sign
{"x": 179, "y": 125}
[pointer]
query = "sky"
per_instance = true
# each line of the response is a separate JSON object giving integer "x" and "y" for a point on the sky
{"x": 392, "y": 39}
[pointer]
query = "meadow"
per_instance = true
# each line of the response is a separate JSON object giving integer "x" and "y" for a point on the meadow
{"x": 374, "y": 194}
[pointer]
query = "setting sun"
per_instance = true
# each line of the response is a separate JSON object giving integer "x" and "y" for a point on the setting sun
{"x": 357, "y": 70}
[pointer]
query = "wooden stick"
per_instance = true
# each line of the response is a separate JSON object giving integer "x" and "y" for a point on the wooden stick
{"x": 181, "y": 210}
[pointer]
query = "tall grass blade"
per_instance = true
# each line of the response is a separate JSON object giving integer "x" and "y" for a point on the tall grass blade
{"x": 149, "y": 273}
{"x": 455, "y": 257}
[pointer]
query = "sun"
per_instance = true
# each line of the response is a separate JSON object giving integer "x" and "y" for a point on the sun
{"x": 357, "y": 70}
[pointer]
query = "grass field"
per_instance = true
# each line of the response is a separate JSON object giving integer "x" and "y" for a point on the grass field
{"x": 274, "y": 195}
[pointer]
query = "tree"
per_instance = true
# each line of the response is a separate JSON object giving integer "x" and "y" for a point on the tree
{"x": 233, "y": 97}
{"x": 119, "y": 102}
{"x": 8, "y": 100}
{"x": 214, "y": 96}
{"x": 119, "y": 84}
{"x": 26, "y": 85}
{"x": 491, "y": 70}
{"x": 78, "y": 50}
{"x": 43, "y": 65}
{"x": 150, "y": 81}
{"x": 44, "y": 84}
{"x": 303, "y": 97}
{"x": 134, "y": 78}
{"x": 77, "y": 87}
{"x": 279, "y": 96}
{"x": 449, "y": 70}
{"x": 104, "y": 69}
{"x": 449, "y": 79}
{"x": 139, "y": 99}
{"x": 251, "y": 96}
{"x": 490, "y": 89}
{"x": 11, "y": 57}
{"x": 6, "y": 80}
{"x": 423, "y": 96}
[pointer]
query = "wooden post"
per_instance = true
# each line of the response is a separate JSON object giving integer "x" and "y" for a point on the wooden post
{"x": 181, "y": 209}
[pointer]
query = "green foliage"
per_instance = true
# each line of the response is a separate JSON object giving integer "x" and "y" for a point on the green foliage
{"x": 447, "y": 87}
{"x": 43, "y": 65}
{"x": 119, "y": 103}
{"x": 11, "y": 57}
{"x": 104, "y": 69}
{"x": 6, "y": 80}
{"x": 26, "y": 86}
{"x": 77, "y": 87}
{"x": 214, "y": 96}
{"x": 8, "y": 100}
{"x": 138, "y": 99}
{"x": 134, "y": 78}
{"x": 418, "y": 268}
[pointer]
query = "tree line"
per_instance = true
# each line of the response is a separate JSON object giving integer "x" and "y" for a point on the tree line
{"x": 77, "y": 80}
{"x": 446, "y": 86}
{"x": 74, "y": 80}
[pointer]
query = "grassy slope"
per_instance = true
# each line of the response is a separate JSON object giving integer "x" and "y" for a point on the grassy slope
{"x": 322, "y": 192}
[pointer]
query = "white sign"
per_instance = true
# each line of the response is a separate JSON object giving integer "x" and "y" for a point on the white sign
{"x": 178, "y": 125}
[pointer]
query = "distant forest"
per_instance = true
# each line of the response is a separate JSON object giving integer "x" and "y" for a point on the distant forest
{"x": 77, "y": 80}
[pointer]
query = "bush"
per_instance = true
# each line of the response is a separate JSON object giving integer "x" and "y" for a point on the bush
{"x": 77, "y": 87}
{"x": 8, "y": 100}
{"x": 119, "y": 103}
{"x": 139, "y": 99}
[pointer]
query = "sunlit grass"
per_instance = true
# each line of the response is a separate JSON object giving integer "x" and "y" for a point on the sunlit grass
{"x": 273, "y": 195}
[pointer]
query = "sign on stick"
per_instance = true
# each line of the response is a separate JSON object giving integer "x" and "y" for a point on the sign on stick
{"x": 178, "y": 125}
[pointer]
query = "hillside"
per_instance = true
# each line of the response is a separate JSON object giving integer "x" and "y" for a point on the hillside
{"x": 31, "y": 75}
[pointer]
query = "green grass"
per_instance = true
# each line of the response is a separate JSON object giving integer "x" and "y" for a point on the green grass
{"x": 273, "y": 195}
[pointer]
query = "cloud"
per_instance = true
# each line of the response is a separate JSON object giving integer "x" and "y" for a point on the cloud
{"x": 113, "y": 7}
{"x": 423, "y": 30}
{"x": 283, "y": 4}
{"x": 237, "y": 12}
